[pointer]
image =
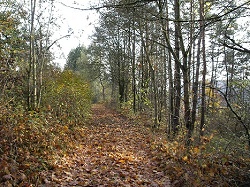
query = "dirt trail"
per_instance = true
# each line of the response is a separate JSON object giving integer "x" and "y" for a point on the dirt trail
{"x": 114, "y": 152}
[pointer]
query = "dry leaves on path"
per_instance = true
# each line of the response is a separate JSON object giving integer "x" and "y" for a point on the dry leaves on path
{"x": 112, "y": 152}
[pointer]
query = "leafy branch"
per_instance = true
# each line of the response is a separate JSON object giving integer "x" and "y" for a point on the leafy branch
{"x": 238, "y": 117}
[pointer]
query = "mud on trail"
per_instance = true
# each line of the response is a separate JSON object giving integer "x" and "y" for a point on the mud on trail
{"x": 113, "y": 151}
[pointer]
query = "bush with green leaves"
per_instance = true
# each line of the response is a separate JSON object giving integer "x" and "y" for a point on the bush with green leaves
{"x": 68, "y": 96}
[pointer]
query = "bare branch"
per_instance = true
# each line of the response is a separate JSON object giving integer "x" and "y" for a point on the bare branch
{"x": 68, "y": 35}
{"x": 139, "y": 3}
{"x": 234, "y": 112}
{"x": 236, "y": 46}
{"x": 124, "y": 5}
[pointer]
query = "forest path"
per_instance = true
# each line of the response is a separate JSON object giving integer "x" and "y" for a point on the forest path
{"x": 114, "y": 152}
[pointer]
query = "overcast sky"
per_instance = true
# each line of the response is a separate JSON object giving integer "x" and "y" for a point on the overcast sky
{"x": 81, "y": 22}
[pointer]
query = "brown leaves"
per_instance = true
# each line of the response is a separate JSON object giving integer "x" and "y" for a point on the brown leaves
{"x": 113, "y": 152}
{"x": 193, "y": 166}
{"x": 109, "y": 151}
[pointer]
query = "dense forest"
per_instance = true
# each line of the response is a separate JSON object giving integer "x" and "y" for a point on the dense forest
{"x": 173, "y": 72}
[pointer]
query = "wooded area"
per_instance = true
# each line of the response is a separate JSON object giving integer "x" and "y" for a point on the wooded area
{"x": 175, "y": 70}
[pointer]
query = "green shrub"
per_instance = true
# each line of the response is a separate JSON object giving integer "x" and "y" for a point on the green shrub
{"x": 68, "y": 96}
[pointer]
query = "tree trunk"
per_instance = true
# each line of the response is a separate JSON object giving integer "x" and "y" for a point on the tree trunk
{"x": 187, "y": 115}
{"x": 177, "y": 73}
{"x": 152, "y": 73}
{"x": 133, "y": 65}
{"x": 196, "y": 81}
{"x": 204, "y": 72}
{"x": 32, "y": 83}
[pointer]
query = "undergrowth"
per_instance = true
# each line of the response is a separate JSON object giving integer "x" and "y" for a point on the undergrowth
{"x": 32, "y": 142}
{"x": 195, "y": 166}
{"x": 35, "y": 142}
{"x": 213, "y": 160}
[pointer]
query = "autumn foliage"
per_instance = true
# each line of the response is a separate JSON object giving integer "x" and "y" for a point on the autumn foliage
{"x": 68, "y": 95}
{"x": 167, "y": 127}
{"x": 109, "y": 150}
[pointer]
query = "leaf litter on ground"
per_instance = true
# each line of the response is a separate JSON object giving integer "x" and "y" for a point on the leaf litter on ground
{"x": 109, "y": 150}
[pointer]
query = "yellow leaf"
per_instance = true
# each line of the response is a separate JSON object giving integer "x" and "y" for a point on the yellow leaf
{"x": 122, "y": 161}
{"x": 204, "y": 166}
{"x": 65, "y": 128}
{"x": 185, "y": 158}
{"x": 211, "y": 173}
{"x": 196, "y": 151}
